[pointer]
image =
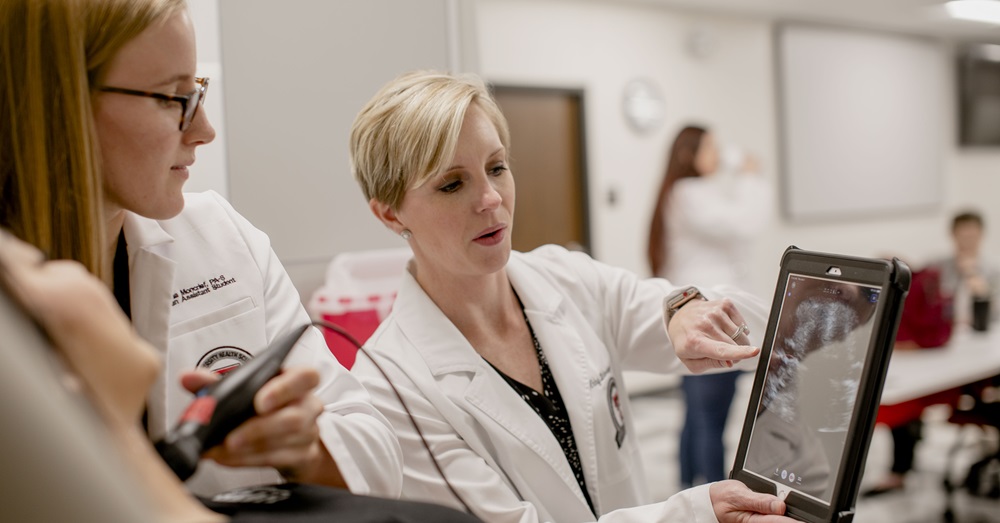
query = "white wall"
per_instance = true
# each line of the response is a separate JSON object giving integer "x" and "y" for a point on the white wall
{"x": 298, "y": 71}
{"x": 852, "y": 144}
{"x": 210, "y": 171}
{"x": 600, "y": 47}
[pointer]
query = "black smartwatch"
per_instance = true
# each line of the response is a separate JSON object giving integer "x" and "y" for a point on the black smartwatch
{"x": 677, "y": 299}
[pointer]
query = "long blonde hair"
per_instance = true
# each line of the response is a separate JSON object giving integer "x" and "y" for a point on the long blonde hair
{"x": 53, "y": 53}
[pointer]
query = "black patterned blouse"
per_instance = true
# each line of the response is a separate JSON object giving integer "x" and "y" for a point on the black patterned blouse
{"x": 549, "y": 406}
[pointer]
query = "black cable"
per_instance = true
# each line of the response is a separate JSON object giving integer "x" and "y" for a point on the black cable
{"x": 340, "y": 330}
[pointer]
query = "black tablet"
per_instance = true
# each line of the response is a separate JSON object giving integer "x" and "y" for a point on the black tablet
{"x": 819, "y": 379}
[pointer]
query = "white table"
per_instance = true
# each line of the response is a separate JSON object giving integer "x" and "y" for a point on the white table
{"x": 968, "y": 357}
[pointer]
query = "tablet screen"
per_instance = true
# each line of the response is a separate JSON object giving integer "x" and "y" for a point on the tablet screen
{"x": 808, "y": 398}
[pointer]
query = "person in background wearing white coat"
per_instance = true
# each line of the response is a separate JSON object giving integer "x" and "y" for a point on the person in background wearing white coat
{"x": 705, "y": 218}
{"x": 99, "y": 102}
{"x": 511, "y": 363}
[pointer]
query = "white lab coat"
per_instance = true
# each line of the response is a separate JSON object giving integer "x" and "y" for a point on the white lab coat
{"x": 592, "y": 321}
{"x": 208, "y": 291}
{"x": 712, "y": 222}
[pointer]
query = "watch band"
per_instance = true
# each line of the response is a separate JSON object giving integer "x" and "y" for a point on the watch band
{"x": 677, "y": 299}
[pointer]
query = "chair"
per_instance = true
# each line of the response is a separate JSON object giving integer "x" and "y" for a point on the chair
{"x": 978, "y": 408}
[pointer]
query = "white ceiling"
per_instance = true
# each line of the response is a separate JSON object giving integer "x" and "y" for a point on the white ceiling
{"x": 912, "y": 16}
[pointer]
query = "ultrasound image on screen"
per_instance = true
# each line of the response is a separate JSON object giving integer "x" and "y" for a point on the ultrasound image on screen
{"x": 820, "y": 343}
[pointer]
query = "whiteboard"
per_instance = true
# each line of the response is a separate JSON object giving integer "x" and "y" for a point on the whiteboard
{"x": 863, "y": 118}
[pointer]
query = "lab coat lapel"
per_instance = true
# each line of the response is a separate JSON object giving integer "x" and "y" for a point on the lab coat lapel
{"x": 540, "y": 471}
{"x": 438, "y": 341}
{"x": 151, "y": 276}
{"x": 571, "y": 364}
{"x": 496, "y": 399}
{"x": 446, "y": 351}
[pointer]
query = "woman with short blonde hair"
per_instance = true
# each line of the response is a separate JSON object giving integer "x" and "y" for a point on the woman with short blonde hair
{"x": 407, "y": 137}
{"x": 510, "y": 362}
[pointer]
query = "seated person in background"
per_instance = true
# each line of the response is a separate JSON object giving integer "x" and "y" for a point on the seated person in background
{"x": 100, "y": 107}
{"x": 511, "y": 362}
{"x": 940, "y": 299}
{"x": 927, "y": 317}
{"x": 966, "y": 275}
{"x": 119, "y": 477}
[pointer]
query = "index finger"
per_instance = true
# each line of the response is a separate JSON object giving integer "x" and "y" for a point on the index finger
{"x": 705, "y": 347}
{"x": 770, "y": 518}
{"x": 728, "y": 352}
{"x": 288, "y": 386}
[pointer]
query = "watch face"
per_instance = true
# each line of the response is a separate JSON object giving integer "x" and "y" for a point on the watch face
{"x": 682, "y": 298}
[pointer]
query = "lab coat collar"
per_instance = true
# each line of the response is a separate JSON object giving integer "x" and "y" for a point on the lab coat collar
{"x": 151, "y": 276}
{"x": 441, "y": 344}
{"x": 143, "y": 233}
{"x": 548, "y": 301}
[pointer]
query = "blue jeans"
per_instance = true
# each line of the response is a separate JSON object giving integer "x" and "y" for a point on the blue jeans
{"x": 707, "y": 399}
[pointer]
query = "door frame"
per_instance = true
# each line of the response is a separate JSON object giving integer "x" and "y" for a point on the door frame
{"x": 580, "y": 94}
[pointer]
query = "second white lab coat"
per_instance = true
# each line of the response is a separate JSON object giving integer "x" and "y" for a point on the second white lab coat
{"x": 592, "y": 321}
{"x": 712, "y": 222}
{"x": 208, "y": 292}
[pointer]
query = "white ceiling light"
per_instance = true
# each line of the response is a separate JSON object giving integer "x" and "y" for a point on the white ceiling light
{"x": 977, "y": 10}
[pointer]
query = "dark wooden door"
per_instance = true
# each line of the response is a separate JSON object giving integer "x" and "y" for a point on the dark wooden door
{"x": 547, "y": 157}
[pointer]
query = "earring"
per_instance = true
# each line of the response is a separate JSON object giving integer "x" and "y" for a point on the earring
{"x": 406, "y": 234}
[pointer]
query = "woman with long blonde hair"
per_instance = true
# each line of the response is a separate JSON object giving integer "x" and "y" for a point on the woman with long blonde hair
{"x": 99, "y": 121}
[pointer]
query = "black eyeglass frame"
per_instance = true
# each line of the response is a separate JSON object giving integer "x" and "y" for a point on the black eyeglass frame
{"x": 189, "y": 102}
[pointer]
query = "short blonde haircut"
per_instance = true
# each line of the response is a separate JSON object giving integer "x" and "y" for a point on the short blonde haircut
{"x": 408, "y": 132}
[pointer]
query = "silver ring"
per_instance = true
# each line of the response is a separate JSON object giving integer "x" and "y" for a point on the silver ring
{"x": 742, "y": 329}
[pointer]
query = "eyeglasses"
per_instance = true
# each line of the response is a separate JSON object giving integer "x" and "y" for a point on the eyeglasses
{"x": 189, "y": 102}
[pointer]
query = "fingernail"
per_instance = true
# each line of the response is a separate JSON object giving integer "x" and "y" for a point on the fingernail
{"x": 775, "y": 507}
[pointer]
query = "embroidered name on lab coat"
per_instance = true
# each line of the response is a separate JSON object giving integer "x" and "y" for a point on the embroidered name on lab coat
{"x": 596, "y": 382}
{"x": 201, "y": 289}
